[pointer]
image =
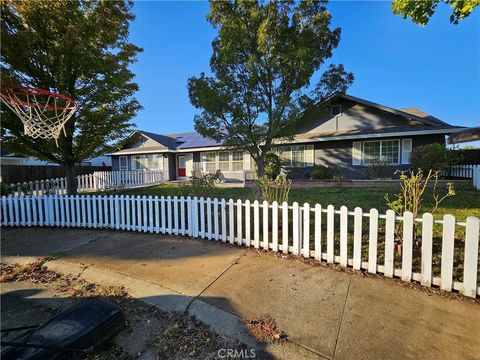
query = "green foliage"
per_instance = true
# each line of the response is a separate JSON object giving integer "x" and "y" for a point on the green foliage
{"x": 377, "y": 169}
{"x": 321, "y": 172}
{"x": 5, "y": 189}
{"x": 277, "y": 191}
{"x": 263, "y": 59}
{"x": 412, "y": 188}
{"x": 433, "y": 157}
{"x": 202, "y": 185}
{"x": 79, "y": 49}
{"x": 421, "y": 11}
{"x": 273, "y": 165}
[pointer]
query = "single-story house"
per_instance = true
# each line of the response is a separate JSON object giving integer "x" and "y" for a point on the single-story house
{"x": 349, "y": 133}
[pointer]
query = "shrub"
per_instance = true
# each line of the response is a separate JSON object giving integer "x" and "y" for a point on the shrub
{"x": 273, "y": 165}
{"x": 322, "y": 172}
{"x": 278, "y": 191}
{"x": 433, "y": 157}
{"x": 377, "y": 169}
{"x": 201, "y": 185}
{"x": 412, "y": 189}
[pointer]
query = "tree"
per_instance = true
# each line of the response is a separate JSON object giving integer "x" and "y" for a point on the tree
{"x": 263, "y": 59}
{"x": 421, "y": 11}
{"x": 79, "y": 49}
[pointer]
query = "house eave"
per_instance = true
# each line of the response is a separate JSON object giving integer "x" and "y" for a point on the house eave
{"x": 378, "y": 135}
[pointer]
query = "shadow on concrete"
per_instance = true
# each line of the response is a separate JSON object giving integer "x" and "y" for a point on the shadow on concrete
{"x": 34, "y": 306}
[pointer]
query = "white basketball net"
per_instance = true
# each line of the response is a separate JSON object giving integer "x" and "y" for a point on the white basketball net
{"x": 43, "y": 113}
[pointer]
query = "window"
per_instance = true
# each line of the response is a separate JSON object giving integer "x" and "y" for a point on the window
{"x": 211, "y": 162}
{"x": 336, "y": 110}
{"x": 285, "y": 154}
{"x": 298, "y": 156}
{"x": 155, "y": 162}
{"x": 292, "y": 156}
{"x": 237, "y": 160}
{"x": 224, "y": 160}
{"x": 390, "y": 151}
{"x": 371, "y": 152}
{"x": 123, "y": 163}
{"x": 387, "y": 150}
{"x": 150, "y": 162}
{"x": 139, "y": 162}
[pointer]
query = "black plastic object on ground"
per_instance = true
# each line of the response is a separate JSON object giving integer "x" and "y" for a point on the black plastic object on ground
{"x": 79, "y": 329}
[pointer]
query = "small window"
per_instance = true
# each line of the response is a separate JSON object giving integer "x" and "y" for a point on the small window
{"x": 224, "y": 160}
{"x": 210, "y": 162}
{"x": 237, "y": 161}
{"x": 336, "y": 110}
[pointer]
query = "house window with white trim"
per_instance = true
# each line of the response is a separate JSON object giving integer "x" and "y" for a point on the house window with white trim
{"x": 292, "y": 156}
{"x": 237, "y": 161}
{"x": 224, "y": 160}
{"x": 210, "y": 162}
{"x": 155, "y": 162}
{"x": 386, "y": 150}
{"x": 139, "y": 162}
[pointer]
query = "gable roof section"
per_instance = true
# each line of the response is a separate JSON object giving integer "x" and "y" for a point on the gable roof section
{"x": 407, "y": 113}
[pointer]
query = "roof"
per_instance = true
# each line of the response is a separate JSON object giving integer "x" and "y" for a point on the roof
{"x": 424, "y": 117}
{"x": 465, "y": 135}
{"x": 364, "y": 133}
{"x": 192, "y": 140}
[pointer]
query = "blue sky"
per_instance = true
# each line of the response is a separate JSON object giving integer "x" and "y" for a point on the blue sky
{"x": 396, "y": 63}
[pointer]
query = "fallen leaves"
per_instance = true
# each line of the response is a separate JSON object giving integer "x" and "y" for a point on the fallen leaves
{"x": 34, "y": 272}
{"x": 265, "y": 330}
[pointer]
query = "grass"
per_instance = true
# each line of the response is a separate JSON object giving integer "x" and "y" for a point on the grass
{"x": 465, "y": 203}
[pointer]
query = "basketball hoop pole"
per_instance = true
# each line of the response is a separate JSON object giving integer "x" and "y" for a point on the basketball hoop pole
{"x": 42, "y": 112}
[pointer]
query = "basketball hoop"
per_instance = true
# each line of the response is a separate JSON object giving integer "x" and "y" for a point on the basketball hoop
{"x": 42, "y": 112}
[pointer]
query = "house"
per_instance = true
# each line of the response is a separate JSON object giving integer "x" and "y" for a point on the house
{"x": 348, "y": 132}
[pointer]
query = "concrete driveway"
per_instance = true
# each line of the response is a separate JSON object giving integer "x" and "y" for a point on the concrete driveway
{"x": 326, "y": 313}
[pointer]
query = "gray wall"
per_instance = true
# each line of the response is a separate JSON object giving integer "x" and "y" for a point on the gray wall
{"x": 339, "y": 153}
{"x": 354, "y": 116}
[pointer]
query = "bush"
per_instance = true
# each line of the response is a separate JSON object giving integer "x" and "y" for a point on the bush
{"x": 433, "y": 157}
{"x": 321, "y": 172}
{"x": 377, "y": 169}
{"x": 273, "y": 165}
{"x": 201, "y": 185}
{"x": 277, "y": 191}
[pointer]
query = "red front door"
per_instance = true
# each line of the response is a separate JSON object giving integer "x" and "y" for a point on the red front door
{"x": 181, "y": 171}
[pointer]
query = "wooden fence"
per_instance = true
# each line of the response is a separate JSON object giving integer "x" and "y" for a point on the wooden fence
{"x": 465, "y": 172}
{"x": 436, "y": 252}
{"x": 98, "y": 181}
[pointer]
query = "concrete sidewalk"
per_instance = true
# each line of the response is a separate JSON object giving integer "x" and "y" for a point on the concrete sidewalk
{"x": 326, "y": 313}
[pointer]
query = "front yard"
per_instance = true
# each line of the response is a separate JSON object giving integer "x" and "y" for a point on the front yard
{"x": 465, "y": 203}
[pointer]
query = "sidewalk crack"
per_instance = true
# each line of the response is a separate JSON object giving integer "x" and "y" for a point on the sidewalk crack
{"x": 341, "y": 319}
{"x": 234, "y": 262}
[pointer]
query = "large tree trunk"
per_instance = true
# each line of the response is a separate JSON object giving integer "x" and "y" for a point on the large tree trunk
{"x": 71, "y": 175}
{"x": 260, "y": 166}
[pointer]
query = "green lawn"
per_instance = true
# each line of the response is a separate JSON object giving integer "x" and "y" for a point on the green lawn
{"x": 465, "y": 203}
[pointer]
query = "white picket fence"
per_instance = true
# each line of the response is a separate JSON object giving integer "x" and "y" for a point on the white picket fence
{"x": 465, "y": 172}
{"x": 98, "y": 181}
{"x": 355, "y": 239}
